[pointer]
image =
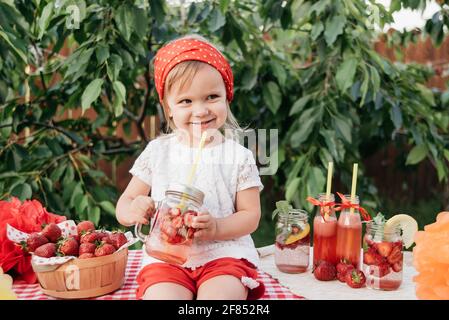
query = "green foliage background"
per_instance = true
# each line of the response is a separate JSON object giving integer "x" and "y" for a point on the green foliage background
{"x": 307, "y": 68}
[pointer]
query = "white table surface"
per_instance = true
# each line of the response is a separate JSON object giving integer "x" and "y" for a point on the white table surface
{"x": 305, "y": 284}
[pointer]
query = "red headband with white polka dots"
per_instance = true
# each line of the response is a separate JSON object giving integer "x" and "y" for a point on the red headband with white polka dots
{"x": 190, "y": 49}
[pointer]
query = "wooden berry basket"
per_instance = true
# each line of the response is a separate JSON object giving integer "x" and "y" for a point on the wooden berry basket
{"x": 84, "y": 278}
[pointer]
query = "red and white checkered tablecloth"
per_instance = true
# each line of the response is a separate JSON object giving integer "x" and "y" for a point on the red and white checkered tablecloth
{"x": 273, "y": 290}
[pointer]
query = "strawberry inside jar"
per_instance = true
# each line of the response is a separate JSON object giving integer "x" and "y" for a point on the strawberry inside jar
{"x": 176, "y": 226}
{"x": 172, "y": 232}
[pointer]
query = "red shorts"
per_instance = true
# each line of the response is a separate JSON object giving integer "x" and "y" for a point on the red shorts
{"x": 192, "y": 279}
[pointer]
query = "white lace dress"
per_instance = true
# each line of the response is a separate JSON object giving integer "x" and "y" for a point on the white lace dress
{"x": 223, "y": 170}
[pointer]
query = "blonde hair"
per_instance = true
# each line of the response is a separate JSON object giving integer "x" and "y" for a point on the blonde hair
{"x": 183, "y": 74}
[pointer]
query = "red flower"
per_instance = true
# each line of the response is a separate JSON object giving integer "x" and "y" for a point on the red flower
{"x": 27, "y": 217}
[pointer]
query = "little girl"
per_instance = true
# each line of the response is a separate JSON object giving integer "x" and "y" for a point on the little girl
{"x": 194, "y": 82}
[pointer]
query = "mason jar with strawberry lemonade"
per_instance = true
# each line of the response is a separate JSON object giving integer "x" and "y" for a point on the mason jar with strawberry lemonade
{"x": 292, "y": 245}
{"x": 171, "y": 233}
{"x": 325, "y": 231}
{"x": 382, "y": 247}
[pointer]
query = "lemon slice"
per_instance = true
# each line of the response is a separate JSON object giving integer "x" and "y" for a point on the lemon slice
{"x": 295, "y": 237}
{"x": 406, "y": 223}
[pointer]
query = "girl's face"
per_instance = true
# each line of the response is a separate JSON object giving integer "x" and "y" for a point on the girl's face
{"x": 200, "y": 105}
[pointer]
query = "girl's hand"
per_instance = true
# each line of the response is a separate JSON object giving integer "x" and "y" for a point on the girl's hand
{"x": 141, "y": 208}
{"x": 206, "y": 224}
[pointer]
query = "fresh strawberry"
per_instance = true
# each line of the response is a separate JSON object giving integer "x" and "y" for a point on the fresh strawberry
{"x": 47, "y": 250}
{"x": 117, "y": 239}
{"x": 188, "y": 218}
{"x": 177, "y": 222}
{"x": 34, "y": 241}
{"x": 343, "y": 267}
{"x": 355, "y": 278}
{"x": 371, "y": 257}
{"x": 383, "y": 269}
{"x": 177, "y": 239}
{"x": 395, "y": 256}
{"x": 76, "y": 237}
{"x": 85, "y": 226}
{"x": 397, "y": 267}
{"x": 68, "y": 247}
{"x": 104, "y": 249}
{"x": 101, "y": 234}
{"x": 89, "y": 237}
{"x": 168, "y": 229}
{"x": 325, "y": 271}
{"x": 341, "y": 277}
{"x": 86, "y": 256}
{"x": 52, "y": 232}
{"x": 87, "y": 248}
{"x": 384, "y": 248}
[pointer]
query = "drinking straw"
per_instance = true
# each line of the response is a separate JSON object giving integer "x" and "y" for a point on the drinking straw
{"x": 330, "y": 168}
{"x": 197, "y": 159}
{"x": 193, "y": 168}
{"x": 354, "y": 184}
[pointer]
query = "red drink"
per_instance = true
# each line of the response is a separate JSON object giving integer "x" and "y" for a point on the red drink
{"x": 324, "y": 239}
{"x": 349, "y": 237}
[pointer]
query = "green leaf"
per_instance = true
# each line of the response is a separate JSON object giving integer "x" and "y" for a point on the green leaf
{"x": 48, "y": 185}
{"x": 315, "y": 181}
{"x": 141, "y": 22}
{"x": 22, "y": 191}
{"x": 441, "y": 171}
{"x": 446, "y": 154}
{"x": 317, "y": 29}
{"x": 345, "y": 74}
{"x": 102, "y": 53}
{"x": 10, "y": 41}
{"x": 216, "y": 20}
{"x": 334, "y": 27}
{"x": 343, "y": 128}
{"x": 292, "y": 188}
{"x": 158, "y": 10}
{"x": 119, "y": 90}
{"x": 272, "y": 96}
{"x": 57, "y": 173}
{"x": 279, "y": 72}
{"x": 426, "y": 93}
{"x": 94, "y": 215}
{"x": 249, "y": 79}
{"x": 76, "y": 191}
{"x": 224, "y": 4}
{"x": 396, "y": 116}
{"x": 117, "y": 106}
{"x": 81, "y": 203}
{"x": 417, "y": 154}
{"x": 299, "y": 104}
{"x": 319, "y": 6}
{"x": 91, "y": 93}
{"x": 115, "y": 64}
{"x": 306, "y": 122}
{"x": 45, "y": 18}
{"x": 108, "y": 207}
{"x": 375, "y": 80}
{"x": 124, "y": 20}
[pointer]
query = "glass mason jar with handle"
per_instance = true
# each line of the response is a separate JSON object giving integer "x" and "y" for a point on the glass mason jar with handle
{"x": 382, "y": 257}
{"x": 171, "y": 232}
{"x": 291, "y": 252}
